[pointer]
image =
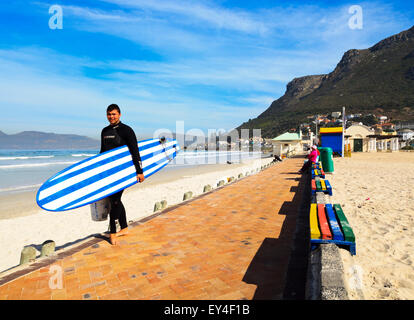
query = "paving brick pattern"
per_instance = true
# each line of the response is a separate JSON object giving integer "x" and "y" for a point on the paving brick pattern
{"x": 231, "y": 243}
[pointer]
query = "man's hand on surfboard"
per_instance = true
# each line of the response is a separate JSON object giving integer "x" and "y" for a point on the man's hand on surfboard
{"x": 140, "y": 177}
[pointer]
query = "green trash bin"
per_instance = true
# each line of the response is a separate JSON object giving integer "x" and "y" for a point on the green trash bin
{"x": 326, "y": 158}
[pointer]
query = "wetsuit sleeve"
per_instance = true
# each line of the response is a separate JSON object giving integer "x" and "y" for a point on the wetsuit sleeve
{"x": 132, "y": 143}
{"x": 102, "y": 146}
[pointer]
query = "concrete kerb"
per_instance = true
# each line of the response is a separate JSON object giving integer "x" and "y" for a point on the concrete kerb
{"x": 326, "y": 274}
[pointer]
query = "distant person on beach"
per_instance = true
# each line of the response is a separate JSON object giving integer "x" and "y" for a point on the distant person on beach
{"x": 276, "y": 158}
{"x": 312, "y": 156}
{"x": 113, "y": 136}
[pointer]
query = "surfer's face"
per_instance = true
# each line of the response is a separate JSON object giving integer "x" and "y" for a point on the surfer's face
{"x": 113, "y": 116}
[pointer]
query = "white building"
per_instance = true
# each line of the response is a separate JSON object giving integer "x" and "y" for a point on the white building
{"x": 406, "y": 134}
{"x": 287, "y": 144}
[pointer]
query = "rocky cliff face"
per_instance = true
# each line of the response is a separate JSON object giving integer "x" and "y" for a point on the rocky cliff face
{"x": 363, "y": 81}
{"x": 403, "y": 36}
{"x": 303, "y": 86}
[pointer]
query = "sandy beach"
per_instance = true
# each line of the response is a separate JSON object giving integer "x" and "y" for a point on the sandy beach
{"x": 22, "y": 223}
{"x": 376, "y": 193}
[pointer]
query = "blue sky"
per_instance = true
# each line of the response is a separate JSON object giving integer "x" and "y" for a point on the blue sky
{"x": 212, "y": 64}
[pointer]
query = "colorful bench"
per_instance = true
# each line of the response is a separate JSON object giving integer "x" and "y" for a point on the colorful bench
{"x": 328, "y": 224}
{"x": 321, "y": 185}
{"x": 317, "y": 165}
{"x": 317, "y": 173}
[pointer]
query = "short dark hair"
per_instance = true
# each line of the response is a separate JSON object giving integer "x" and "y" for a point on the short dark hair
{"x": 112, "y": 107}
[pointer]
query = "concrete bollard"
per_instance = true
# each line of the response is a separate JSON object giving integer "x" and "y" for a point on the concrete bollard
{"x": 48, "y": 248}
{"x": 187, "y": 195}
{"x": 207, "y": 188}
{"x": 220, "y": 183}
{"x": 157, "y": 206}
{"x": 28, "y": 255}
{"x": 163, "y": 204}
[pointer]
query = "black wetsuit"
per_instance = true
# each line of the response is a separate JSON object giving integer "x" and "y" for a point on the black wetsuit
{"x": 113, "y": 137}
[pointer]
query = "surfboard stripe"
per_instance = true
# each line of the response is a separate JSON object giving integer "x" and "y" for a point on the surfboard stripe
{"x": 119, "y": 183}
{"x": 102, "y": 175}
{"x": 62, "y": 198}
{"x": 107, "y": 192}
{"x": 141, "y": 145}
{"x": 155, "y": 150}
{"x": 156, "y": 157}
{"x": 84, "y": 169}
{"x": 69, "y": 188}
{"x": 90, "y": 161}
{"x": 76, "y": 194}
{"x": 85, "y": 173}
{"x": 155, "y": 166}
{"x": 117, "y": 187}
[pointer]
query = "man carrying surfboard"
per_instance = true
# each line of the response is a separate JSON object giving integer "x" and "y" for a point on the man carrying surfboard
{"x": 113, "y": 136}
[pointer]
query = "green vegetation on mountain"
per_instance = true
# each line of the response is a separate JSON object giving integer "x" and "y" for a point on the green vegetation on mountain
{"x": 378, "y": 80}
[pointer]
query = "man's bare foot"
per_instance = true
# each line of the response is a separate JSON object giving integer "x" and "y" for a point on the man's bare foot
{"x": 112, "y": 239}
{"x": 123, "y": 232}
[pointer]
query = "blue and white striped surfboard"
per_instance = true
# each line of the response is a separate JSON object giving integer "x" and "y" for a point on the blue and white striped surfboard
{"x": 104, "y": 174}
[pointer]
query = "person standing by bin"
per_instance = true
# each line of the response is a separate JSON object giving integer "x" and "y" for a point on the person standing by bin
{"x": 313, "y": 155}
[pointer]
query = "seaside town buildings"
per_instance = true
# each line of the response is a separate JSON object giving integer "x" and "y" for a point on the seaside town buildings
{"x": 383, "y": 136}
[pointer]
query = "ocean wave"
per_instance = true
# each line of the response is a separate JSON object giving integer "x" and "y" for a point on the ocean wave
{"x": 25, "y": 157}
{"x": 19, "y": 188}
{"x": 28, "y": 165}
{"x": 83, "y": 154}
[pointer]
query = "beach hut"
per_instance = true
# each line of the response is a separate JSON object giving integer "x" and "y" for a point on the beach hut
{"x": 331, "y": 137}
{"x": 357, "y": 136}
{"x": 287, "y": 144}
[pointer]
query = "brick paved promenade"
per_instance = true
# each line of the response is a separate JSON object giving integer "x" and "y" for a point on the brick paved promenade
{"x": 232, "y": 243}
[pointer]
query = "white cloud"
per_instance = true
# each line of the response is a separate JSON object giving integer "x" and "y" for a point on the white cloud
{"x": 45, "y": 100}
{"x": 200, "y": 13}
{"x": 236, "y": 60}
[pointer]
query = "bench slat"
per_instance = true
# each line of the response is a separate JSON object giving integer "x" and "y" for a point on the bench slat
{"x": 318, "y": 185}
{"x": 346, "y": 228}
{"x": 336, "y": 229}
{"x": 323, "y": 223}
{"x": 313, "y": 221}
{"x": 328, "y": 187}
{"x": 323, "y": 186}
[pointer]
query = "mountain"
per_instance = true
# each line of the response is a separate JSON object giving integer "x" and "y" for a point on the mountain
{"x": 378, "y": 80}
{"x": 43, "y": 140}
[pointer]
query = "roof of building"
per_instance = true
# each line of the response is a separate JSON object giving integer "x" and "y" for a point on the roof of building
{"x": 287, "y": 136}
{"x": 331, "y": 130}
